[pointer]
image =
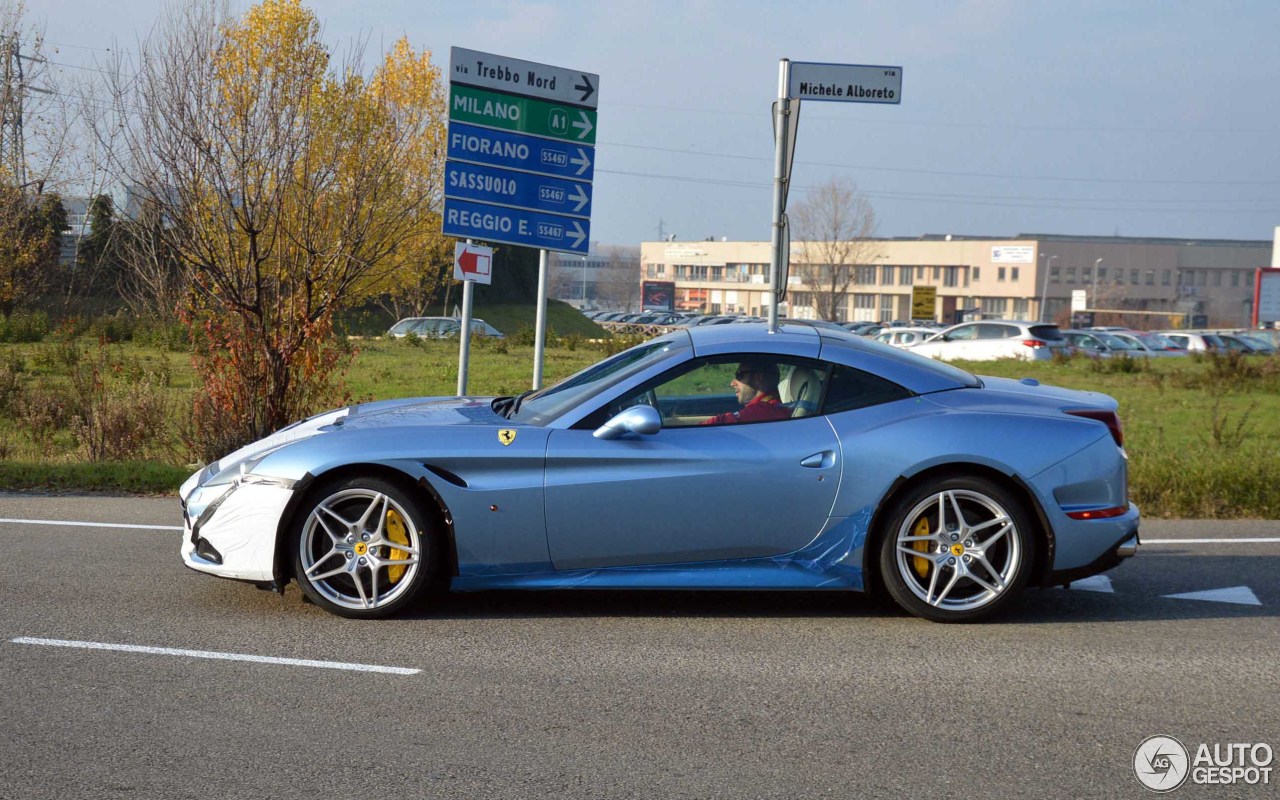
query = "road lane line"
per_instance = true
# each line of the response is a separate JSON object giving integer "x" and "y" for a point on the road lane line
{"x": 1257, "y": 540}
{"x": 92, "y": 524}
{"x": 169, "y": 651}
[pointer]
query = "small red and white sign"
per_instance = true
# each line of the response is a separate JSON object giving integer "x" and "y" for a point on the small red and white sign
{"x": 472, "y": 262}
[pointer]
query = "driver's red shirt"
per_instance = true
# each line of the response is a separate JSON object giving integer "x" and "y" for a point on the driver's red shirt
{"x": 762, "y": 408}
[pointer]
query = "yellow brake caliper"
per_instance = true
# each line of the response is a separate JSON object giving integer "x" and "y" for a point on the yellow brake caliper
{"x": 921, "y": 564}
{"x": 396, "y": 533}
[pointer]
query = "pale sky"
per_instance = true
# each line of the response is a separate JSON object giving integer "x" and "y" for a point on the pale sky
{"x": 1130, "y": 117}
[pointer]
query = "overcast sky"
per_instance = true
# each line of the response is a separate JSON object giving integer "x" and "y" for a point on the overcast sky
{"x": 1086, "y": 117}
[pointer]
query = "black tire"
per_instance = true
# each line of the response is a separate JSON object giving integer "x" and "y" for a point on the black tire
{"x": 976, "y": 545}
{"x": 363, "y": 548}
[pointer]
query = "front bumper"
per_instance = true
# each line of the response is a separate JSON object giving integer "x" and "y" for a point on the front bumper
{"x": 235, "y": 535}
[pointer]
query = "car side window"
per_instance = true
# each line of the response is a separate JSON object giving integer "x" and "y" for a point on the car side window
{"x": 850, "y": 389}
{"x": 727, "y": 390}
{"x": 965, "y": 333}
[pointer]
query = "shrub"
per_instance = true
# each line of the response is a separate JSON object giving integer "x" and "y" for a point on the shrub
{"x": 1118, "y": 364}
{"x": 10, "y": 388}
{"x": 24, "y": 326}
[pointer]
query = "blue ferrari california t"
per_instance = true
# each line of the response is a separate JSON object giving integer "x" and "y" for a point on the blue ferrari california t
{"x": 717, "y": 457}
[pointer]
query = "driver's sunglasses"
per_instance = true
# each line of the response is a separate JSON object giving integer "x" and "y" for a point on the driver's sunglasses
{"x": 742, "y": 373}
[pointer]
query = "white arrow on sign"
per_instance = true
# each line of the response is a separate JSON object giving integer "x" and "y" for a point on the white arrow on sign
{"x": 578, "y": 234}
{"x": 583, "y": 124}
{"x": 580, "y": 197}
{"x": 1240, "y": 595}
{"x": 583, "y": 161}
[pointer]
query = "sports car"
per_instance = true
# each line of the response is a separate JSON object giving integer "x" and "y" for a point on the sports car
{"x": 716, "y": 457}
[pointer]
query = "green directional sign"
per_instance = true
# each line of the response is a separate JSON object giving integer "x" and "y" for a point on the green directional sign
{"x": 522, "y": 114}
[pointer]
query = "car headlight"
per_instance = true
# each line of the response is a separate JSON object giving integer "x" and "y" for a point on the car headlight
{"x": 233, "y": 472}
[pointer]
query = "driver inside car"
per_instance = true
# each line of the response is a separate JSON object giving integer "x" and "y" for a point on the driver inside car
{"x": 756, "y": 385}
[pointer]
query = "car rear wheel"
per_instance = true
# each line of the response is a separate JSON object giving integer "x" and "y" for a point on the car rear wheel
{"x": 957, "y": 550}
{"x": 363, "y": 548}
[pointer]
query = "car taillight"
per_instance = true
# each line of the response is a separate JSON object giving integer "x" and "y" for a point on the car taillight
{"x": 1100, "y": 513}
{"x": 1035, "y": 344}
{"x": 1109, "y": 418}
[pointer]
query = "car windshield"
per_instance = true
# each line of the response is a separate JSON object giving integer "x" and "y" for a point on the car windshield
{"x": 1115, "y": 342}
{"x": 404, "y": 325}
{"x": 542, "y": 406}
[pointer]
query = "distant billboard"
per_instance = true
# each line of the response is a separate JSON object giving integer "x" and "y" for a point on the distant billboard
{"x": 1266, "y": 297}
{"x": 658, "y": 295}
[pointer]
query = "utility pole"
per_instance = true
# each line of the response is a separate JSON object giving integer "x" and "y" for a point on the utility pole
{"x": 13, "y": 157}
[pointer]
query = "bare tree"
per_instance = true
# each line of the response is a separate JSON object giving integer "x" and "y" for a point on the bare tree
{"x": 617, "y": 284}
{"x": 833, "y": 227}
{"x": 285, "y": 184}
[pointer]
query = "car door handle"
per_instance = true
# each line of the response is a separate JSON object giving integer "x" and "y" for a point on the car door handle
{"x": 820, "y": 460}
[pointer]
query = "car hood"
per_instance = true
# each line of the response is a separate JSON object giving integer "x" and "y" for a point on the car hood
{"x": 415, "y": 412}
{"x": 418, "y": 411}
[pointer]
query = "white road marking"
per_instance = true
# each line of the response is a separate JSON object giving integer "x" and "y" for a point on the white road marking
{"x": 1240, "y": 595}
{"x": 1254, "y": 540}
{"x": 169, "y": 651}
{"x": 92, "y": 524}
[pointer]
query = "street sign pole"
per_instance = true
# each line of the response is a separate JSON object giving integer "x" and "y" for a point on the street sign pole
{"x": 464, "y": 337}
{"x": 781, "y": 122}
{"x": 540, "y": 336}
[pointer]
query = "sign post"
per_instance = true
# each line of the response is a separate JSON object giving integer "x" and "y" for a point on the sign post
{"x": 471, "y": 264}
{"x": 520, "y": 159}
{"x": 808, "y": 80}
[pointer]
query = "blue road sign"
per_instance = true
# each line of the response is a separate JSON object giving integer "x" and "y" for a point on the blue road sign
{"x": 518, "y": 151}
{"x": 489, "y": 223}
{"x": 520, "y": 189}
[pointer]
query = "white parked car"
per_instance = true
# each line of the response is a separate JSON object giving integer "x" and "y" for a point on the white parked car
{"x": 991, "y": 339}
{"x": 905, "y": 337}
{"x": 1194, "y": 341}
{"x": 440, "y": 328}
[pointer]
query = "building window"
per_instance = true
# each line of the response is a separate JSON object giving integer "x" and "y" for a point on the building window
{"x": 1055, "y": 274}
{"x": 887, "y": 276}
{"x": 1133, "y": 277}
{"x": 1021, "y": 307}
{"x": 1217, "y": 278}
{"x": 1164, "y": 277}
{"x": 920, "y": 273}
{"x": 886, "y": 307}
{"x": 951, "y": 276}
{"x": 904, "y": 276}
{"x": 1071, "y": 274}
{"x": 1102, "y": 274}
{"x": 1151, "y": 277}
{"x": 1013, "y": 273}
{"x": 994, "y": 306}
{"x": 1235, "y": 279}
{"x": 864, "y": 301}
{"x": 937, "y": 274}
{"x": 1000, "y": 274}
{"x": 865, "y": 276}
{"x": 977, "y": 273}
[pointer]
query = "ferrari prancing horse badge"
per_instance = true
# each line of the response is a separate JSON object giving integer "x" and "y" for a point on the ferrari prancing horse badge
{"x": 506, "y": 436}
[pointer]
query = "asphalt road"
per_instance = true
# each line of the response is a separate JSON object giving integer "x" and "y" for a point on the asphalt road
{"x": 612, "y": 694}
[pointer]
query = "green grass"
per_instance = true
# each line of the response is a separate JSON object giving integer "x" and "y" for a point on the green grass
{"x": 1202, "y": 434}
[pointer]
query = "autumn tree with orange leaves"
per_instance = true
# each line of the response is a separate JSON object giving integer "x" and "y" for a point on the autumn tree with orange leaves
{"x": 290, "y": 185}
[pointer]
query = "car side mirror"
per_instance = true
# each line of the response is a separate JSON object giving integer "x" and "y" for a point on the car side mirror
{"x": 637, "y": 419}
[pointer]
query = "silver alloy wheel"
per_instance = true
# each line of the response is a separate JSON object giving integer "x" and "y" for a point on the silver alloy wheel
{"x": 346, "y": 554}
{"x": 958, "y": 550}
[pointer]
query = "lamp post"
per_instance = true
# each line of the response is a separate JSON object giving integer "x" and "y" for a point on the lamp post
{"x": 1044, "y": 286}
{"x": 1093, "y": 298}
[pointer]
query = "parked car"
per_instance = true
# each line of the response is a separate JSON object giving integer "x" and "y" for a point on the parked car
{"x": 1241, "y": 344}
{"x": 988, "y": 340}
{"x": 872, "y": 478}
{"x": 1149, "y": 344}
{"x": 904, "y": 337}
{"x": 862, "y": 328}
{"x": 1193, "y": 341}
{"x": 1258, "y": 343}
{"x": 441, "y": 328}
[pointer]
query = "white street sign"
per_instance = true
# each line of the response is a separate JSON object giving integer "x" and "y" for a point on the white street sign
{"x": 845, "y": 83}
{"x": 526, "y": 78}
{"x": 471, "y": 262}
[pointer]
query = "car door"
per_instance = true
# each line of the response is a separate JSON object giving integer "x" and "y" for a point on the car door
{"x": 691, "y": 492}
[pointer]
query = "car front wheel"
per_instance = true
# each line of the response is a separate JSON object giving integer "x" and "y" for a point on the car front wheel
{"x": 363, "y": 548}
{"x": 957, "y": 550}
